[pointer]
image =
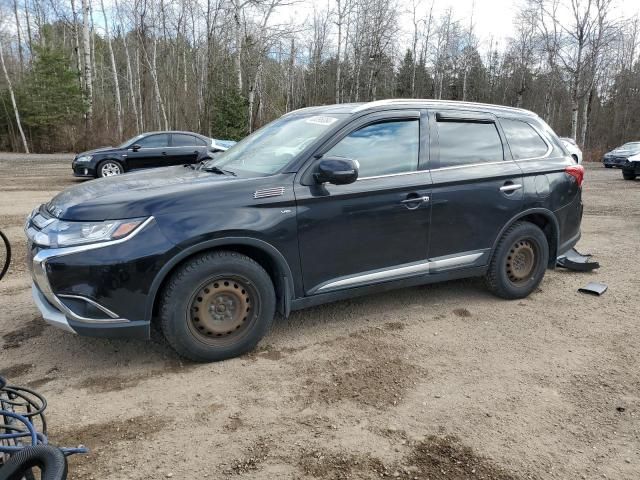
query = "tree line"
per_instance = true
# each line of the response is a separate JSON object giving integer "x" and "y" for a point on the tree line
{"x": 81, "y": 73}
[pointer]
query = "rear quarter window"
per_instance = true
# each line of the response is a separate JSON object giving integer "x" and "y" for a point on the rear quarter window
{"x": 524, "y": 141}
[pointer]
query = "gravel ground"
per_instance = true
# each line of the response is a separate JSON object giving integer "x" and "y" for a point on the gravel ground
{"x": 442, "y": 381}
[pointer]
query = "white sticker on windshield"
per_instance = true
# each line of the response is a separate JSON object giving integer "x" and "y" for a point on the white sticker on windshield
{"x": 320, "y": 120}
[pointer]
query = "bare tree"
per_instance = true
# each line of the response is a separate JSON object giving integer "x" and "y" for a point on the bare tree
{"x": 86, "y": 51}
{"x": 13, "y": 100}
{"x": 114, "y": 69}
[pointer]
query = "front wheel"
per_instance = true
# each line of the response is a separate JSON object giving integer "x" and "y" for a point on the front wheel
{"x": 608, "y": 166}
{"x": 628, "y": 175}
{"x": 519, "y": 261}
{"x": 109, "y": 168}
{"x": 216, "y": 306}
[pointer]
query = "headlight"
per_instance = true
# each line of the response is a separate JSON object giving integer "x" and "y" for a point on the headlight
{"x": 61, "y": 233}
{"x": 84, "y": 159}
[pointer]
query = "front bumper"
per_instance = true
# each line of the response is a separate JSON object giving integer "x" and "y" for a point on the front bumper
{"x": 83, "y": 170}
{"x": 91, "y": 289}
{"x": 617, "y": 162}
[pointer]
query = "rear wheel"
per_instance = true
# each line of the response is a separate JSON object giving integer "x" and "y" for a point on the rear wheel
{"x": 109, "y": 168}
{"x": 217, "y": 306}
{"x": 628, "y": 175}
{"x": 519, "y": 262}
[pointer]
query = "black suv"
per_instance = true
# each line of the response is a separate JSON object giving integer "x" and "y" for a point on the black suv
{"x": 323, "y": 204}
{"x": 154, "y": 149}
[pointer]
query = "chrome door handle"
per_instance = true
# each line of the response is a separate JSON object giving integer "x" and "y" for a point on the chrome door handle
{"x": 511, "y": 187}
{"x": 416, "y": 199}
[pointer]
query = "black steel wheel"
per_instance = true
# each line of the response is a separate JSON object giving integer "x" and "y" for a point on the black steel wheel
{"x": 519, "y": 262}
{"x": 217, "y": 305}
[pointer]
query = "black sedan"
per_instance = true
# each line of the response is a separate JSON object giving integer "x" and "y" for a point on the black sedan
{"x": 154, "y": 149}
{"x": 618, "y": 156}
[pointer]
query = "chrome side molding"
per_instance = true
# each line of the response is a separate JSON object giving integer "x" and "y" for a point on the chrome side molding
{"x": 402, "y": 271}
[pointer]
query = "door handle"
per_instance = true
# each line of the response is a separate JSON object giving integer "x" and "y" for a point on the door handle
{"x": 510, "y": 187}
{"x": 416, "y": 199}
{"x": 164, "y": 153}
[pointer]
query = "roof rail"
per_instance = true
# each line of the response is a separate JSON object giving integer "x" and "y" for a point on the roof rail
{"x": 392, "y": 101}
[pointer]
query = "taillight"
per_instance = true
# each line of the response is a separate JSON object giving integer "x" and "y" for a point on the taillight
{"x": 577, "y": 172}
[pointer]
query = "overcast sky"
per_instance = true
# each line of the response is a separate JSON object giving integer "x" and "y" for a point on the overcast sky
{"x": 492, "y": 18}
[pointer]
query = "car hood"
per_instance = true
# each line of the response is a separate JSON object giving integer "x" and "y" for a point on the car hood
{"x": 131, "y": 195}
{"x": 96, "y": 150}
{"x": 624, "y": 151}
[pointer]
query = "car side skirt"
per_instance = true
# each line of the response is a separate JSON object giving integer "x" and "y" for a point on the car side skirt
{"x": 346, "y": 293}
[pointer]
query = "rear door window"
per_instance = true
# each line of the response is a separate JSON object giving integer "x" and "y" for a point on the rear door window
{"x": 463, "y": 142}
{"x": 184, "y": 140}
{"x": 383, "y": 148}
{"x": 523, "y": 140}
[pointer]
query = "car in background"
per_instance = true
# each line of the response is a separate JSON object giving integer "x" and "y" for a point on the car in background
{"x": 148, "y": 150}
{"x": 619, "y": 156}
{"x": 221, "y": 145}
{"x": 572, "y": 147}
{"x": 631, "y": 168}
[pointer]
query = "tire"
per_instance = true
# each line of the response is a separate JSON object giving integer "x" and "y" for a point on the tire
{"x": 216, "y": 306}
{"x": 5, "y": 258}
{"x": 608, "y": 166}
{"x": 519, "y": 261}
{"x": 628, "y": 175}
{"x": 109, "y": 168}
{"x": 48, "y": 459}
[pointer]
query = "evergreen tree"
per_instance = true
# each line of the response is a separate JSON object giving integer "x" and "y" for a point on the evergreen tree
{"x": 229, "y": 119}
{"x": 50, "y": 95}
{"x": 404, "y": 76}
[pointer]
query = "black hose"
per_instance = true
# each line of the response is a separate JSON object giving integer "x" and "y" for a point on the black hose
{"x": 7, "y": 260}
{"x": 50, "y": 460}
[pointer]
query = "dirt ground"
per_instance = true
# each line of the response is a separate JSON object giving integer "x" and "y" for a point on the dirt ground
{"x": 437, "y": 382}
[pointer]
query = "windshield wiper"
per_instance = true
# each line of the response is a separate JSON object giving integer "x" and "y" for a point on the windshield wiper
{"x": 219, "y": 171}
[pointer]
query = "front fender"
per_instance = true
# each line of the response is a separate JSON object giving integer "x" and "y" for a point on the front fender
{"x": 284, "y": 275}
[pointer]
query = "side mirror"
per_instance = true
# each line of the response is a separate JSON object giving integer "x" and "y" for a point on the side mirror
{"x": 337, "y": 170}
{"x": 135, "y": 147}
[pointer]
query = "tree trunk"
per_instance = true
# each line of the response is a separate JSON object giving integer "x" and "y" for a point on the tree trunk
{"x": 586, "y": 114}
{"x": 238, "y": 57}
{"x": 156, "y": 87}
{"x": 20, "y": 50}
{"x": 76, "y": 43}
{"x": 132, "y": 93}
{"x": 86, "y": 51}
{"x": 13, "y": 101}
{"x": 116, "y": 83}
{"x": 339, "y": 51}
{"x": 29, "y": 37}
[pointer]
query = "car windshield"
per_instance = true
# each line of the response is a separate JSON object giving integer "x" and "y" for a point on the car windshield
{"x": 273, "y": 146}
{"x": 130, "y": 141}
{"x": 630, "y": 146}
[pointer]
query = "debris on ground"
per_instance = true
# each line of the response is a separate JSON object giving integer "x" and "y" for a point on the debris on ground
{"x": 594, "y": 288}
{"x": 574, "y": 260}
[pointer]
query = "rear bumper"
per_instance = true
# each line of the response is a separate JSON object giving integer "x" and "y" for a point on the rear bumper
{"x": 569, "y": 244}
